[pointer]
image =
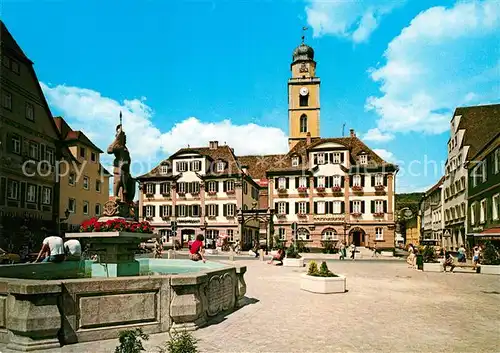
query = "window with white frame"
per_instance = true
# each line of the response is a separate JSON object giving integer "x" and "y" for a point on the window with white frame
{"x": 363, "y": 159}
{"x": 31, "y": 193}
{"x": 86, "y": 183}
{"x": 356, "y": 180}
{"x": 302, "y": 207}
{"x": 212, "y": 233}
{"x": 494, "y": 206}
{"x": 12, "y": 190}
{"x": 321, "y": 181}
{"x": 337, "y": 158}
{"x": 34, "y": 150}
{"x": 484, "y": 174}
{"x": 212, "y": 186}
{"x": 281, "y": 207}
{"x": 282, "y": 233}
{"x": 230, "y": 185}
{"x": 71, "y": 205}
{"x": 196, "y": 166}
{"x": 295, "y": 161}
{"x": 230, "y": 234}
{"x": 150, "y": 188}
{"x": 337, "y": 207}
{"x": 220, "y": 166}
{"x": 303, "y": 234}
{"x": 181, "y": 188}
{"x": 320, "y": 207}
{"x": 212, "y": 210}
{"x": 379, "y": 179}
{"x": 472, "y": 214}
{"x": 163, "y": 169}
{"x": 496, "y": 161}
{"x": 182, "y": 209}
{"x": 16, "y": 144}
{"x": 482, "y": 211}
{"x": 182, "y": 166}
{"x": 85, "y": 207}
{"x": 356, "y": 207}
{"x": 282, "y": 183}
{"x": 462, "y": 208}
{"x": 379, "y": 233}
{"x": 476, "y": 174}
{"x": 231, "y": 209}
{"x": 329, "y": 234}
{"x": 320, "y": 158}
{"x": 47, "y": 196}
{"x": 302, "y": 182}
{"x": 336, "y": 180}
{"x": 150, "y": 211}
{"x": 379, "y": 206}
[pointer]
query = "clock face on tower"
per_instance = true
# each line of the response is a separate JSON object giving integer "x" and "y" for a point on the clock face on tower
{"x": 304, "y": 91}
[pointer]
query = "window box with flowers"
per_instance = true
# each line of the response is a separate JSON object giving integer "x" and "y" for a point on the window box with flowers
{"x": 336, "y": 189}
{"x": 357, "y": 188}
{"x": 379, "y": 187}
{"x": 231, "y": 192}
{"x": 301, "y": 215}
{"x": 115, "y": 225}
{"x": 166, "y": 194}
{"x": 165, "y": 218}
{"x": 181, "y": 193}
{"x": 378, "y": 214}
{"x": 320, "y": 189}
{"x": 302, "y": 189}
{"x": 211, "y": 217}
{"x": 281, "y": 215}
{"x": 195, "y": 193}
{"x": 149, "y": 195}
{"x": 212, "y": 193}
{"x": 282, "y": 191}
{"x": 356, "y": 214}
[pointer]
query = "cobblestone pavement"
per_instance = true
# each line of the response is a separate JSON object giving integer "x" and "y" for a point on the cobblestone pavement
{"x": 388, "y": 308}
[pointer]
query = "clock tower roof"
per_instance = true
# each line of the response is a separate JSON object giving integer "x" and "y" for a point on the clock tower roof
{"x": 303, "y": 53}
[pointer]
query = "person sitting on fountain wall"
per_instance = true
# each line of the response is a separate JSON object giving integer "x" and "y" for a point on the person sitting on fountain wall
{"x": 73, "y": 250}
{"x": 196, "y": 252}
{"x": 52, "y": 249}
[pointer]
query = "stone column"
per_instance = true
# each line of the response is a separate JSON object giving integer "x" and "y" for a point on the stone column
{"x": 188, "y": 305}
{"x": 390, "y": 196}
{"x": 32, "y": 312}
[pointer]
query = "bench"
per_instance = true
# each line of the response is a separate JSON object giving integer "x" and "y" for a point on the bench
{"x": 462, "y": 265}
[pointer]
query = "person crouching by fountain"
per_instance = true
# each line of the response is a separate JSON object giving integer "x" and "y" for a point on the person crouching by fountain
{"x": 73, "y": 250}
{"x": 52, "y": 249}
{"x": 196, "y": 251}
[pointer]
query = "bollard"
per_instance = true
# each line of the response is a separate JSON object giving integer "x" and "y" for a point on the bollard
{"x": 261, "y": 251}
{"x": 231, "y": 255}
{"x": 171, "y": 254}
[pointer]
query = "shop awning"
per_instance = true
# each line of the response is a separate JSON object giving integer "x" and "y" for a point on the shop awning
{"x": 490, "y": 233}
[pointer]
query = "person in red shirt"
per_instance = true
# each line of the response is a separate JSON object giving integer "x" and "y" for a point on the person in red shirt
{"x": 197, "y": 252}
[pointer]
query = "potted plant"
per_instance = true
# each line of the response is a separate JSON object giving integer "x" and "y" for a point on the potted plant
{"x": 149, "y": 195}
{"x": 491, "y": 260}
{"x": 328, "y": 246}
{"x": 293, "y": 258}
{"x": 431, "y": 262}
{"x": 322, "y": 280}
{"x": 180, "y": 342}
{"x": 131, "y": 341}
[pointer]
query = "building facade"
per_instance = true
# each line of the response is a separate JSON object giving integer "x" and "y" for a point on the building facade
{"x": 431, "y": 212}
{"x": 84, "y": 182}
{"x": 201, "y": 189}
{"x": 29, "y": 191}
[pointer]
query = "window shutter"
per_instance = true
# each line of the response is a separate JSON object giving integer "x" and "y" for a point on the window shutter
{"x": 296, "y": 207}
{"x": 10, "y": 143}
{"x": 372, "y": 205}
{"x": 42, "y": 152}
{"x": 342, "y": 181}
{"x": 296, "y": 182}
{"x": 189, "y": 210}
{"x": 385, "y": 179}
{"x": 154, "y": 211}
{"x": 362, "y": 206}
{"x": 224, "y": 186}
{"x": 308, "y": 208}
{"x": 351, "y": 178}
{"x": 315, "y": 159}
{"x": 217, "y": 185}
{"x": 276, "y": 183}
{"x": 385, "y": 206}
{"x": 315, "y": 182}
{"x": 287, "y": 182}
{"x": 169, "y": 207}
{"x": 350, "y": 207}
{"x": 224, "y": 210}
{"x": 3, "y": 190}
{"x": 143, "y": 211}
{"x": 287, "y": 208}
{"x": 342, "y": 157}
{"x": 189, "y": 187}
{"x": 330, "y": 207}
{"x": 276, "y": 208}
{"x": 216, "y": 210}
{"x": 330, "y": 158}
{"x": 373, "y": 180}
{"x": 363, "y": 180}
{"x": 342, "y": 207}
{"x": 206, "y": 210}
{"x": 315, "y": 209}
{"x": 308, "y": 181}
{"x": 176, "y": 210}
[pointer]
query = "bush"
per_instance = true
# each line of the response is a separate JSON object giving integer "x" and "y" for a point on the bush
{"x": 429, "y": 254}
{"x": 181, "y": 342}
{"x": 131, "y": 341}
{"x": 301, "y": 246}
{"x": 328, "y": 246}
{"x": 490, "y": 254}
{"x": 292, "y": 252}
{"x": 278, "y": 243}
{"x": 313, "y": 270}
{"x": 323, "y": 270}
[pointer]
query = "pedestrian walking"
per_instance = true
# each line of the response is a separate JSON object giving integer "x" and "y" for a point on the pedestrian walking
{"x": 475, "y": 257}
{"x": 411, "y": 256}
{"x": 374, "y": 250}
{"x": 353, "y": 251}
{"x": 342, "y": 251}
{"x": 462, "y": 257}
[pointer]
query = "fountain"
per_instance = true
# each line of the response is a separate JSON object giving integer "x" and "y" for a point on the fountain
{"x": 46, "y": 305}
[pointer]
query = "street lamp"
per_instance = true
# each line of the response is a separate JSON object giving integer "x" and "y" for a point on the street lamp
{"x": 205, "y": 232}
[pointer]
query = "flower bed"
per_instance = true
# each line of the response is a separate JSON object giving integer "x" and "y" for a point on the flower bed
{"x": 322, "y": 280}
{"x": 119, "y": 225}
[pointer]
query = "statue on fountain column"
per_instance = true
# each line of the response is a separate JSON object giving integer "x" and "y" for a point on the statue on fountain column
{"x": 123, "y": 183}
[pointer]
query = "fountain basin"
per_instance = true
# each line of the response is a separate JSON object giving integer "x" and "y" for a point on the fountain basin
{"x": 171, "y": 294}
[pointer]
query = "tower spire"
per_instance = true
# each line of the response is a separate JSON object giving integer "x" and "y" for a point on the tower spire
{"x": 304, "y": 29}
{"x": 120, "y": 117}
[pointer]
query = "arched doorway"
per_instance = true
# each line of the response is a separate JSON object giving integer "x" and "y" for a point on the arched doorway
{"x": 357, "y": 236}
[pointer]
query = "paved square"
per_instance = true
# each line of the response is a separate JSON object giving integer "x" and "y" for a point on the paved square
{"x": 389, "y": 308}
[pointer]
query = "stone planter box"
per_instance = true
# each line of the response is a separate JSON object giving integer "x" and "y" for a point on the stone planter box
{"x": 323, "y": 285}
{"x": 287, "y": 262}
{"x": 490, "y": 269}
{"x": 386, "y": 253}
{"x": 433, "y": 267}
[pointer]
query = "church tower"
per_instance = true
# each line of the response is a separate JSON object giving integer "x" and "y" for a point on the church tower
{"x": 303, "y": 96}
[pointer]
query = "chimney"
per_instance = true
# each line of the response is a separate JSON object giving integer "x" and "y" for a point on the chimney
{"x": 353, "y": 134}
{"x": 308, "y": 138}
{"x": 213, "y": 145}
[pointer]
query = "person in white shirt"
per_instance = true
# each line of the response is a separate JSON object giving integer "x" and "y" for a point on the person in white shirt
{"x": 73, "y": 249}
{"x": 53, "y": 248}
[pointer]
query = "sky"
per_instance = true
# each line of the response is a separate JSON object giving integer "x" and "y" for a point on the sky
{"x": 187, "y": 72}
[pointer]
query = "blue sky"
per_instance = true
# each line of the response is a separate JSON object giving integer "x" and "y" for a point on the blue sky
{"x": 186, "y": 72}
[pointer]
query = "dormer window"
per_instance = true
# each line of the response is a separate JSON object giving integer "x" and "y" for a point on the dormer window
{"x": 295, "y": 161}
{"x": 163, "y": 169}
{"x": 337, "y": 158}
{"x": 195, "y": 166}
{"x": 182, "y": 166}
{"x": 321, "y": 158}
{"x": 220, "y": 166}
{"x": 363, "y": 159}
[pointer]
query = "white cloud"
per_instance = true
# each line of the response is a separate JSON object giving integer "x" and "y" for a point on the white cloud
{"x": 446, "y": 57}
{"x": 351, "y": 19}
{"x": 385, "y": 154}
{"x": 97, "y": 116}
{"x": 376, "y": 135}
